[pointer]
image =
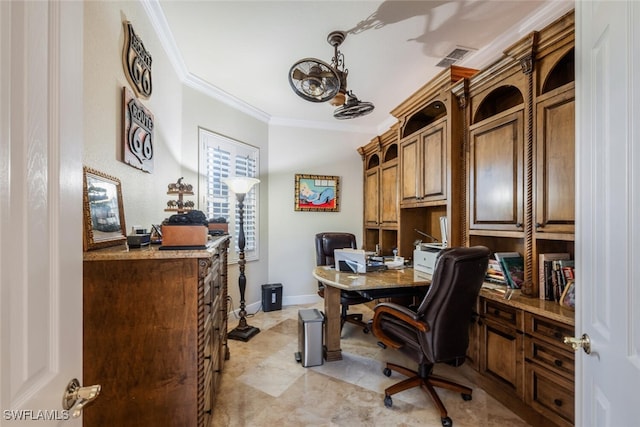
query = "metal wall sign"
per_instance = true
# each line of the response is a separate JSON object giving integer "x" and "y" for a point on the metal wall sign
{"x": 137, "y": 62}
{"x": 137, "y": 138}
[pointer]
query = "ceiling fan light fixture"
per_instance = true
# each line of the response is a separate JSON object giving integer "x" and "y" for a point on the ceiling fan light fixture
{"x": 314, "y": 80}
{"x": 353, "y": 108}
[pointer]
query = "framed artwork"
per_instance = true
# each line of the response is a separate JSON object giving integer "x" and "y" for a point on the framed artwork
{"x": 103, "y": 216}
{"x": 568, "y": 298}
{"x": 320, "y": 193}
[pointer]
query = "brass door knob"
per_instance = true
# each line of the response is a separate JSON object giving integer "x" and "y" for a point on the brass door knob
{"x": 577, "y": 343}
{"x": 75, "y": 398}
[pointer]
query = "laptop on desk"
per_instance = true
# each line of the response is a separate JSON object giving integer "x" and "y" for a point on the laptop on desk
{"x": 355, "y": 261}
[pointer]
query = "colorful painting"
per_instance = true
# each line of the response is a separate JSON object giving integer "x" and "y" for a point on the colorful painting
{"x": 317, "y": 193}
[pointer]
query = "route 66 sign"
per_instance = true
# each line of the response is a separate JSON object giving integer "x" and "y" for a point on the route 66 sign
{"x": 137, "y": 139}
{"x": 137, "y": 62}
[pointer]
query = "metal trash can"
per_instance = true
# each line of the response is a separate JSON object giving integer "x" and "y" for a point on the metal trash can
{"x": 310, "y": 322}
{"x": 272, "y": 297}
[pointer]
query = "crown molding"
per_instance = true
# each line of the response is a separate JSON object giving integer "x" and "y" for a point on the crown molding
{"x": 542, "y": 17}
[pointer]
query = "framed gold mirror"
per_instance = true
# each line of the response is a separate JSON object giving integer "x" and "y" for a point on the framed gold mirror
{"x": 103, "y": 220}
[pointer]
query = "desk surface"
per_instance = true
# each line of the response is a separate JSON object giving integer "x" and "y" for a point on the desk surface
{"x": 373, "y": 280}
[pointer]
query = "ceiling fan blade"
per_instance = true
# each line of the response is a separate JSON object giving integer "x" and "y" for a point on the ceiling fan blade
{"x": 297, "y": 74}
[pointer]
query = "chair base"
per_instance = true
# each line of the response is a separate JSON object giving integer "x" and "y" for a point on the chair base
{"x": 427, "y": 382}
{"x": 355, "y": 319}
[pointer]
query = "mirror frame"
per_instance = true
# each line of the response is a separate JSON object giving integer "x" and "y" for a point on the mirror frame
{"x": 93, "y": 237}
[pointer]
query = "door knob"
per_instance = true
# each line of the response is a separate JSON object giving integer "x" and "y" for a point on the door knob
{"x": 576, "y": 343}
{"x": 75, "y": 398}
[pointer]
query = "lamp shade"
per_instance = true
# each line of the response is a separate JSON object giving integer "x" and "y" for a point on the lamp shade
{"x": 240, "y": 184}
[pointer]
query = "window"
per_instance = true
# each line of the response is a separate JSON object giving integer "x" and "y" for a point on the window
{"x": 221, "y": 157}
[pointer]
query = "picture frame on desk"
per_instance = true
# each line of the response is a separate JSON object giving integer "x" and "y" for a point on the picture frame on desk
{"x": 103, "y": 210}
{"x": 568, "y": 297}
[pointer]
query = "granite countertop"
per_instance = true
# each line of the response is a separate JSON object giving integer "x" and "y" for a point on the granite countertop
{"x": 123, "y": 252}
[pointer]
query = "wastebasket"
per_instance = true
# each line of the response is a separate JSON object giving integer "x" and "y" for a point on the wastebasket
{"x": 272, "y": 297}
{"x": 310, "y": 323}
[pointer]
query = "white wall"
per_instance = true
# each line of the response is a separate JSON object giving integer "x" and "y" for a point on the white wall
{"x": 291, "y": 234}
{"x": 200, "y": 110}
{"x": 144, "y": 194}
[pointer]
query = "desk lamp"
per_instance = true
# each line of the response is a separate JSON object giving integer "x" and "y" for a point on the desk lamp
{"x": 241, "y": 185}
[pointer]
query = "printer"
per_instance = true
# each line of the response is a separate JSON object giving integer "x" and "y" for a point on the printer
{"x": 425, "y": 254}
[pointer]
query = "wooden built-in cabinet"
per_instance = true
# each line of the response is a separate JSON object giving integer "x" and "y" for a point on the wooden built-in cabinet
{"x": 423, "y": 180}
{"x": 523, "y": 360}
{"x": 494, "y": 152}
{"x": 154, "y": 334}
{"x": 520, "y": 163}
{"x": 381, "y": 208}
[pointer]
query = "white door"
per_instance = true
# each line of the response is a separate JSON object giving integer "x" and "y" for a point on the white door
{"x": 40, "y": 209}
{"x": 608, "y": 212}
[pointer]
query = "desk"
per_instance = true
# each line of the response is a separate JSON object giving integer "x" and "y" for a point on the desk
{"x": 335, "y": 281}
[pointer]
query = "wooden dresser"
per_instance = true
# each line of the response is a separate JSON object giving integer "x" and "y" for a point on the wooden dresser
{"x": 154, "y": 335}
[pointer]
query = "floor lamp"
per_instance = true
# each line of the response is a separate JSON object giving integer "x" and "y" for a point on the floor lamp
{"x": 241, "y": 186}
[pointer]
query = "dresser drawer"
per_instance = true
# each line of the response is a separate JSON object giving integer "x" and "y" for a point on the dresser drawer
{"x": 550, "y": 356}
{"x": 504, "y": 314}
{"x": 547, "y": 329}
{"x": 550, "y": 394}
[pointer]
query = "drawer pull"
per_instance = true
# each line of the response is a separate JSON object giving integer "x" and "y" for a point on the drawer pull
{"x": 208, "y": 357}
{"x": 496, "y": 312}
{"x": 558, "y": 363}
{"x": 558, "y": 402}
{"x": 557, "y": 334}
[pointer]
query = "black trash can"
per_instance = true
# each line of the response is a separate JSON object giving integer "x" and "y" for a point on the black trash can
{"x": 272, "y": 297}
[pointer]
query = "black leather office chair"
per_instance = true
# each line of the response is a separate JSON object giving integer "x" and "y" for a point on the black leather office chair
{"x": 438, "y": 330}
{"x": 326, "y": 243}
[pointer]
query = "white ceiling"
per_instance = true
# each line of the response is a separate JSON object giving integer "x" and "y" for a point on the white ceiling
{"x": 244, "y": 49}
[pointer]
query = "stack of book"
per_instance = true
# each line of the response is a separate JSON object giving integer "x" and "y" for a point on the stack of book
{"x": 555, "y": 272}
{"x": 494, "y": 273}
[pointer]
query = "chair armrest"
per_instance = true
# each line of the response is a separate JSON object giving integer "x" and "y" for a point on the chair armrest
{"x": 401, "y": 313}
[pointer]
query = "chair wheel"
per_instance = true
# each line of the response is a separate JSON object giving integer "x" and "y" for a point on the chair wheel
{"x": 388, "y": 402}
{"x": 446, "y": 422}
{"x": 365, "y": 330}
{"x": 386, "y": 372}
{"x": 466, "y": 397}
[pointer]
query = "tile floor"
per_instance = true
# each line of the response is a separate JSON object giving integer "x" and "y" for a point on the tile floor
{"x": 263, "y": 385}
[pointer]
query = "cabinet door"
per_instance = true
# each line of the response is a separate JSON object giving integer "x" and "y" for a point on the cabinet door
{"x": 501, "y": 355}
{"x": 371, "y": 192}
{"x": 410, "y": 163}
{"x": 434, "y": 166}
{"x": 496, "y": 174}
{"x": 555, "y": 164}
{"x": 389, "y": 194}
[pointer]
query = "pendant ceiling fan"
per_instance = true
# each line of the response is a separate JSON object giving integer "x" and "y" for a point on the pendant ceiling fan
{"x": 318, "y": 81}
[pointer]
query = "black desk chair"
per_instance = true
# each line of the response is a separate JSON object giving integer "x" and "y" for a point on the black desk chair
{"x": 326, "y": 243}
{"x": 438, "y": 331}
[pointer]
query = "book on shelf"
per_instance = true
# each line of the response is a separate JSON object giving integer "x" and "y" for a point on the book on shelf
{"x": 543, "y": 285}
{"x": 512, "y": 267}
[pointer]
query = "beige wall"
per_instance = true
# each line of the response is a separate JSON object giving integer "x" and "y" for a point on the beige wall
{"x": 286, "y": 237}
{"x": 144, "y": 194}
{"x": 291, "y": 234}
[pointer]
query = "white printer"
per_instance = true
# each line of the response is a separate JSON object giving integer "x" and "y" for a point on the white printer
{"x": 425, "y": 254}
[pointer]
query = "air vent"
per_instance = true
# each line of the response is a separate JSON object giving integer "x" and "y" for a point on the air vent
{"x": 454, "y": 56}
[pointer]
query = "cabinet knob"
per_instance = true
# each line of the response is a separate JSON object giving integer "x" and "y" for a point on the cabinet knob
{"x": 558, "y": 363}
{"x": 519, "y": 224}
{"x": 538, "y": 225}
{"x": 496, "y": 312}
{"x": 558, "y": 402}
